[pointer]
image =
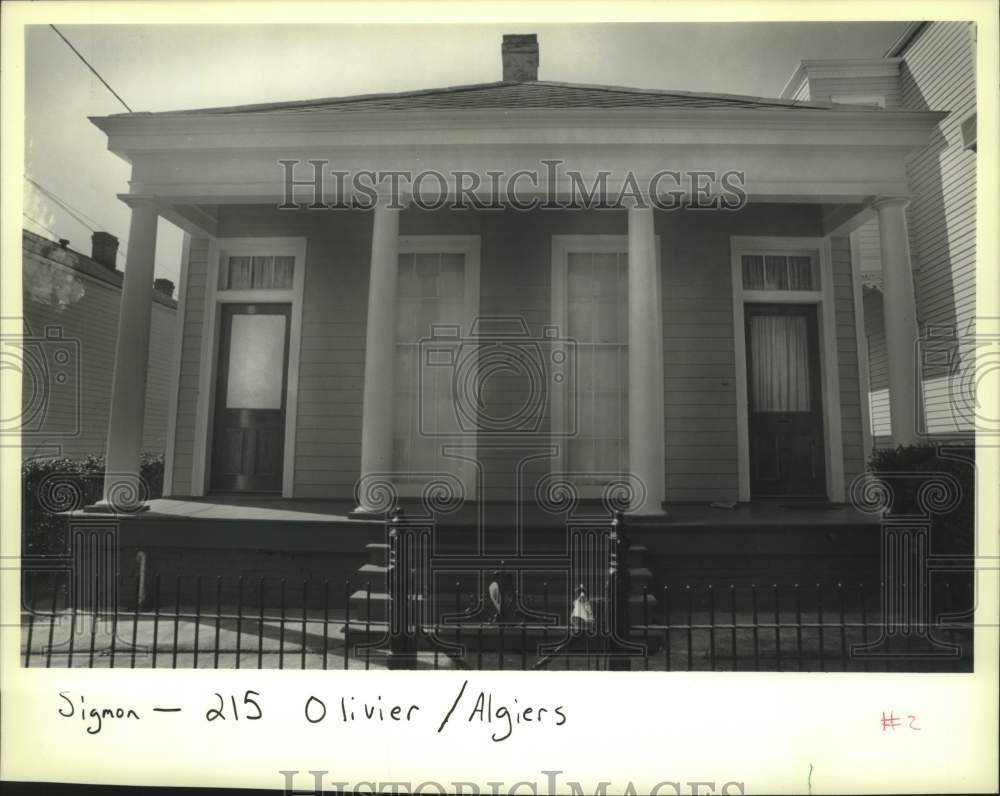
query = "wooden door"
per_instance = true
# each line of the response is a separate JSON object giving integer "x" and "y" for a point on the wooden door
{"x": 785, "y": 401}
{"x": 250, "y": 397}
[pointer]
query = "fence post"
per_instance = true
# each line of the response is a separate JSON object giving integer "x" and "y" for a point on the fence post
{"x": 402, "y": 627}
{"x": 618, "y": 592}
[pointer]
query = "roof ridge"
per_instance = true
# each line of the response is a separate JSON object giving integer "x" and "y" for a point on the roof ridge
{"x": 350, "y": 99}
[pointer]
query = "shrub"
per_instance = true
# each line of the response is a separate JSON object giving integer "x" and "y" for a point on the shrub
{"x": 951, "y": 532}
{"x": 50, "y": 486}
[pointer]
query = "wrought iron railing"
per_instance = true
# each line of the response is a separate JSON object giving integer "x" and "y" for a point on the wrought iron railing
{"x": 272, "y": 623}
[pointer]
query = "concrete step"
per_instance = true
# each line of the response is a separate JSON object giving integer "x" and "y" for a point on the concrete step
{"x": 377, "y": 552}
{"x": 637, "y": 555}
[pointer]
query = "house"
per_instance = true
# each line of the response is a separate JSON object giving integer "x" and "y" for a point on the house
{"x": 71, "y": 303}
{"x": 490, "y": 292}
{"x": 941, "y": 216}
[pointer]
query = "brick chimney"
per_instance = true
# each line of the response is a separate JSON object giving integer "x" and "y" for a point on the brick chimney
{"x": 165, "y": 286}
{"x": 520, "y": 57}
{"x": 104, "y": 249}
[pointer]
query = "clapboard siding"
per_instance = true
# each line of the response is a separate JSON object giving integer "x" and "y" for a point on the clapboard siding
{"x": 847, "y": 359}
{"x": 938, "y": 73}
{"x": 515, "y": 276}
{"x": 699, "y": 354}
{"x": 187, "y": 387}
{"x": 70, "y": 295}
{"x": 878, "y": 363}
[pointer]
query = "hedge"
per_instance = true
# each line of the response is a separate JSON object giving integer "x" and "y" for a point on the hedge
{"x": 53, "y": 485}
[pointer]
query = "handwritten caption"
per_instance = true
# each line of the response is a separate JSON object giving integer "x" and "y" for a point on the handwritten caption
{"x": 498, "y": 716}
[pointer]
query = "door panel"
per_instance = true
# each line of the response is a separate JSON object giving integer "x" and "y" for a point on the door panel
{"x": 785, "y": 401}
{"x": 248, "y": 444}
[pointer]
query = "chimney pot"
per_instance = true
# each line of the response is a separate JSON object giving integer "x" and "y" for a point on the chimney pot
{"x": 63, "y": 242}
{"x": 519, "y": 54}
{"x": 104, "y": 248}
{"x": 164, "y": 286}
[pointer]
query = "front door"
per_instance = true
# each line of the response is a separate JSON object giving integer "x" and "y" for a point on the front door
{"x": 249, "y": 436}
{"x": 785, "y": 401}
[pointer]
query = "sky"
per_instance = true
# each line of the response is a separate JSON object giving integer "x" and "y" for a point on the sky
{"x": 169, "y": 67}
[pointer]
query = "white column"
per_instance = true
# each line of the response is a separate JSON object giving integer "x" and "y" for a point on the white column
{"x": 380, "y": 349}
{"x": 128, "y": 385}
{"x": 900, "y": 313}
{"x": 645, "y": 364}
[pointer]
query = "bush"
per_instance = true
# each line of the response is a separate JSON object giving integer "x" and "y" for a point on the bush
{"x": 951, "y": 532}
{"x": 50, "y": 486}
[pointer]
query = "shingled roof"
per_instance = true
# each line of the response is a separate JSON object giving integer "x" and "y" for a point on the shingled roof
{"x": 515, "y": 95}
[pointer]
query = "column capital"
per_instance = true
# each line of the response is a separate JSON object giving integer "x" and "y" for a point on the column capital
{"x": 136, "y": 201}
{"x": 880, "y": 202}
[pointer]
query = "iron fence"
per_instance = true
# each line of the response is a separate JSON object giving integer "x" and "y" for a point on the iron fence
{"x": 234, "y": 623}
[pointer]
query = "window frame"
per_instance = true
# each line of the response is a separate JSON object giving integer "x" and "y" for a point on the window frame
{"x": 201, "y": 466}
{"x": 466, "y": 446}
{"x": 823, "y": 297}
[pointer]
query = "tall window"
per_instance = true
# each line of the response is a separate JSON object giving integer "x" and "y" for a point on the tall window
{"x": 596, "y": 317}
{"x": 437, "y": 289}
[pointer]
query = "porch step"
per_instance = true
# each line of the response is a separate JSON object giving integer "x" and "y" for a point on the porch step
{"x": 637, "y": 555}
{"x": 377, "y": 552}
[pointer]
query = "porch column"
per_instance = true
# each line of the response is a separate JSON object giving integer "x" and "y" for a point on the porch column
{"x": 380, "y": 350}
{"x": 900, "y": 313}
{"x": 128, "y": 384}
{"x": 645, "y": 364}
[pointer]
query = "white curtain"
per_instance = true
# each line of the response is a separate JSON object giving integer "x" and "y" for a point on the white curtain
{"x": 779, "y": 364}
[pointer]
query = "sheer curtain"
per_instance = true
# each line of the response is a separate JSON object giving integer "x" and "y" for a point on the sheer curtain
{"x": 779, "y": 364}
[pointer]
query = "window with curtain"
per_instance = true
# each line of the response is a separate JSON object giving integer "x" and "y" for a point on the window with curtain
{"x": 257, "y": 273}
{"x": 779, "y": 363}
{"x": 431, "y": 291}
{"x": 780, "y": 272}
{"x": 597, "y": 319}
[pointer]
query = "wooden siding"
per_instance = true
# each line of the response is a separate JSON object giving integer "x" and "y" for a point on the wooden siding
{"x": 938, "y": 73}
{"x": 187, "y": 386}
{"x": 847, "y": 359}
{"x": 699, "y": 358}
{"x": 83, "y": 310}
{"x": 878, "y": 363}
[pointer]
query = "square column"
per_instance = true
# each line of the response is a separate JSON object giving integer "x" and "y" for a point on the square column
{"x": 122, "y": 487}
{"x": 380, "y": 353}
{"x": 900, "y": 313}
{"x": 646, "y": 453}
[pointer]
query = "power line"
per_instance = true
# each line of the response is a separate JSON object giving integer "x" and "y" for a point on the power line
{"x": 96, "y": 73}
{"x": 40, "y": 224}
{"x": 80, "y": 217}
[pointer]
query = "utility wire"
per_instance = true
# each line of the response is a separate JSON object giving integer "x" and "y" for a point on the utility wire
{"x": 96, "y": 73}
{"x": 79, "y": 216}
{"x": 40, "y": 224}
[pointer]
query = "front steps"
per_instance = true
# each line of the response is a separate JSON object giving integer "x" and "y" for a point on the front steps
{"x": 368, "y": 609}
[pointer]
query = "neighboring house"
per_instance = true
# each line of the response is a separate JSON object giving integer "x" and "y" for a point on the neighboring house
{"x": 931, "y": 67}
{"x": 71, "y": 304}
{"x": 716, "y": 351}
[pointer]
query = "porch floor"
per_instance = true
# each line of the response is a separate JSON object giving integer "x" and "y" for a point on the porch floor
{"x": 300, "y": 510}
